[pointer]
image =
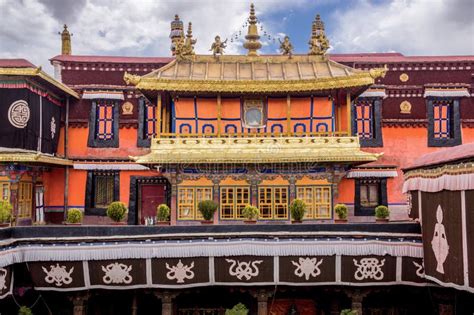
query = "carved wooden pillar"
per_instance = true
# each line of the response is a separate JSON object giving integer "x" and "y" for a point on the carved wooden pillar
{"x": 14, "y": 177}
{"x": 292, "y": 181}
{"x": 166, "y": 298}
{"x": 262, "y": 300}
{"x": 79, "y": 302}
{"x": 357, "y": 297}
{"x": 215, "y": 196}
{"x": 134, "y": 304}
{"x": 173, "y": 180}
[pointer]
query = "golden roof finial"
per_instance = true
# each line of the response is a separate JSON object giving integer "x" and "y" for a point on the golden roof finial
{"x": 185, "y": 47}
{"x": 176, "y": 32}
{"x": 318, "y": 43}
{"x": 65, "y": 41}
{"x": 252, "y": 38}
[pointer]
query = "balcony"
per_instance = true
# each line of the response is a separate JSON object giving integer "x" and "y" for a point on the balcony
{"x": 255, "y": 148}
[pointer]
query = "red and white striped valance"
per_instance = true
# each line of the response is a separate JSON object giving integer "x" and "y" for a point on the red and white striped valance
{"x": 110, "y": 95}
{"x": 359, "y": 173}
{"x": 443, "y": 182}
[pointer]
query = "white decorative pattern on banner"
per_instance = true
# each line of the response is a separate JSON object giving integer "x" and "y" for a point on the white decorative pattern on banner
{"x": 307, "y": 267}
{"x": 369, "y": 268}
{"x": 19, "y": 114}
{"x": 58, "y": 275}
{"x": 420, "y": 271}
{"x": 180, "y": 272}
{"x": 242, "y": 269}
{"x": 439, "y": 243}
{"x": 53, "y": 127}
{"x": 117, "y": 273}
{"x": 3, "y": 278}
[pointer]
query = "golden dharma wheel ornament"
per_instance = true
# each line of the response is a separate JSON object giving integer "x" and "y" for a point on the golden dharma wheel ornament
{"x": 404, "y": 77}
{"x": 405, "y": 107}
{"x": 127, "y": 108}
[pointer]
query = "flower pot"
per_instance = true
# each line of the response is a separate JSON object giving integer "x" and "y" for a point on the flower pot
{"x": 4, "y": 225}
{"x": 338, "y": 221}
{"x": 250, "y": 221}
{"x": 381, "y": 220}
{"x": 68, "y": 223}
{"x": 296, "y": 222}
{"x": 119, "y": 223}
{"x": 207, "y": 222}
{"x": 163, "y": 223}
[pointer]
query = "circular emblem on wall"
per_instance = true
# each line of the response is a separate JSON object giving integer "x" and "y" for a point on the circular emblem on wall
{"x": 127, "y": 108}
{"x": 53, "y": 127}
{"x": 405, "y": 107}
{"x": 404, "y": 77}
{"x": 19, "y": 114}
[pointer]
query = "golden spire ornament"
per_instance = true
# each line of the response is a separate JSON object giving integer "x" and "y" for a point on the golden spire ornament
{"x": 318, "y": 43}
{"x": 252, "y": 42}
{"x": 65, "y": 41}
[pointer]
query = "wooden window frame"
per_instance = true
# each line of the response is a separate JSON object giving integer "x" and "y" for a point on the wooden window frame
{"x": 25, "y": 200}
{"x": 454, "y": 123}
{"x": 196, "y": 215}
{"x": 314, "y": 206}
{"x": 90, "y": 208}
{"x": 94, "y": 141}
{"x": 376, "y": 122}
{"x": 5, "y": 186}
{"x": 144, "y": 139}
{"x": 360, "y": 210}
{"x": 273, "y": 204}
{"x": 236, "y": 205}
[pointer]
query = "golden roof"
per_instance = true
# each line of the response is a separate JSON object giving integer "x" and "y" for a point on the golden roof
{"x": 42, "y": 76}
{"x": 32, "y": 157}
{"x": 253, "y": 74}
{"x": 255, "y": 150}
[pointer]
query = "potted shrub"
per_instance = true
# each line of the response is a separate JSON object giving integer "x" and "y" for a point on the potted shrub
{"x": 5, "y": 213}
{"x": 381, "y": 214}
{"x": 238, "y": 309}
{"x": 348, "y": 312}
{"x": 251, "y": 213}
{"x": 297, "y": 210}
{"x": 25, "y": 310}
{"x": 341, "y": 212}
{"x": 74, "y": 217}
{"x": 207, "y": 209}
{"x": 163, "y": 214}
{"x": 117, "y": 211}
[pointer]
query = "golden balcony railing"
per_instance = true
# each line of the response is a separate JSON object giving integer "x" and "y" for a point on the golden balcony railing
{"x": 255, "y": 149}
{"x": 253, "y": 135}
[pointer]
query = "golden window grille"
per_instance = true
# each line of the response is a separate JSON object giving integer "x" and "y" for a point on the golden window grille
{"x": 188, "y": 200}
{"x": 25, "y": 200}
{"x": 273, "y": 202}
{"x": 5, "y": 191}
{"x": 317, "y": 199}
{"x": 233, "y": 201}
{"x": 103, "y": 191}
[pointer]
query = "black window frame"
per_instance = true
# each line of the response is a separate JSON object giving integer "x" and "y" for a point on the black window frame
{"x": 359, "y": 210}
{"x": 455, "y": 123}
{"x": 90, "y": 191}
{"x": 142, "y": 140}
{"x": 95, "y": 142}
{"x": 377, "y": 139}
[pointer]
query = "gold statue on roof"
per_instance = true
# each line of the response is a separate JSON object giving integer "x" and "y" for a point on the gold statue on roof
{"x": 252, "y": 42}
{"x": 286, "y": 48}
{"x": 185, "y": 47}
{"x": 318, "y": 43}
{"x": 218, "y": 46}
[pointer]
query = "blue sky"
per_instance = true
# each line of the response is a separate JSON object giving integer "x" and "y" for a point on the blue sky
{"x": 141, "y": 27}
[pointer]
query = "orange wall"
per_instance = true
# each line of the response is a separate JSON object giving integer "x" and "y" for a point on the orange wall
{"x": 53, "y": 182}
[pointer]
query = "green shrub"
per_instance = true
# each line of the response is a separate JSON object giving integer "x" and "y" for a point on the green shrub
{"x": 382, "y": 212}
{"x": 341, "y": 211}
{"x": 5, "y": 211}
{"x": 116, "y": 211}
{"x": 238, "y": 309}
{"x": 25, "y": 310}
{"x": 250, "y": 212}
{"x": 74, "y": 216}
{"x": 348, "y": 312}
{"x": 207, "y": 209}
{"x": 163, "y": 212}
{"x": 297, "y": 209}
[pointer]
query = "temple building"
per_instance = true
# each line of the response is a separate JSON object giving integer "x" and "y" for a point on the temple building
{"x": 248, "y": 129}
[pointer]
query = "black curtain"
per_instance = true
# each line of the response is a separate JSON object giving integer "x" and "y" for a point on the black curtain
{"x": 51, "y": 124}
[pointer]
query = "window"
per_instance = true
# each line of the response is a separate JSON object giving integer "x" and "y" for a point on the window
{"x": 102, "y": 188}
{"x": 233, "y": 200}
{"x": 25, "y": 192}
{"x": 5, "y": 191}
{"x": 253, "y": 114}
{"x": 443, "y": 122}
{"x": 367, "y": 121}
{"x": 273, "y": 202}
{"x": 188, "y": 200}
{"x": 103, "y": 126}
{"x": 147, "y": 122}
{"x": 317, "y": 199}
{"x": 370, "y": 193}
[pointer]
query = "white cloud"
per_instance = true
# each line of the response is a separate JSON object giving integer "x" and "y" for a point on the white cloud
{"x": 414, "y": 27}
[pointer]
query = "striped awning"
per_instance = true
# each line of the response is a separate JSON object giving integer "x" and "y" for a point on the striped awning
{"x": 379, "y": 173}
{"x": 110, "y": 95}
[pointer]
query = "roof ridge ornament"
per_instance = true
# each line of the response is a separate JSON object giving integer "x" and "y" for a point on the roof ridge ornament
{"x": 318, "y": 43}
{"x": 218, "y": 46}
{"x": 184, "y": 48}
{"x": 252, "y": 42}
{"x": 286, "y": 48}
{"x": 176, "y": 32}
{"x": 65, "y": 41}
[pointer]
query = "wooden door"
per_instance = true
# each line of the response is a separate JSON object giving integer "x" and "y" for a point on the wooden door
{"x": 151, "y": 195}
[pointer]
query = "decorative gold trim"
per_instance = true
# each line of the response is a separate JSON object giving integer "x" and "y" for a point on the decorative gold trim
{"x": 404, "y": 77}
{"x": 255, "y": 150}
{"x": 249, "y": 86}
{"x": 37, "y": 72}
{"x": 451, "y": 169}
{"x": 22, "y": 157}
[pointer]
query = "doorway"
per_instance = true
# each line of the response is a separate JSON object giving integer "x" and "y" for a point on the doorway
{"x": 146, "y": 193}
